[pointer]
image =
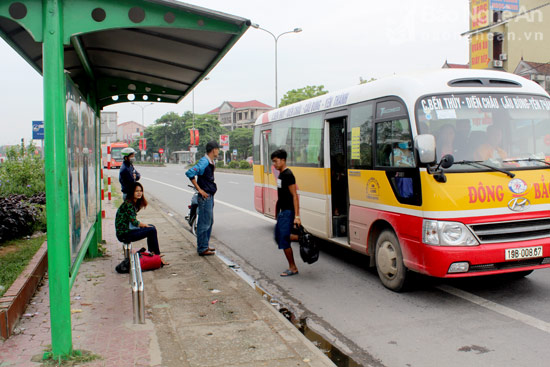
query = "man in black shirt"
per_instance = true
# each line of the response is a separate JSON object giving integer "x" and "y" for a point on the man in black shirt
{"x": 287, "y": 209}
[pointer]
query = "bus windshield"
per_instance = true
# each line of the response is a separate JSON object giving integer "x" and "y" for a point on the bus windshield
{"x": 116, "y": 154}
{"x": 501, "y": 130}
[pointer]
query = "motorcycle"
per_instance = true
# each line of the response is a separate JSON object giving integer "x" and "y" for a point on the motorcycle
{"x": 192, "y": 217}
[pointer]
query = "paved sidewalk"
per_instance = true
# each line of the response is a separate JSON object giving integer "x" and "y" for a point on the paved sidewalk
{"x": 198, "y": 312}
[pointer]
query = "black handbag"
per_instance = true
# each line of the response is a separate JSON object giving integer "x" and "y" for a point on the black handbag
{"x": 309, "y": 251}
{"x": 123, "y": 267}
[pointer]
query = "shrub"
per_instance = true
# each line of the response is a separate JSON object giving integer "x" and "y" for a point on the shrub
{"x": 220, "y": 164}
{"x": 22, "y": 173}
{"x": 244, "y": 165}
{"x": 233, "y": 164}
{"x": 19, "y": 218}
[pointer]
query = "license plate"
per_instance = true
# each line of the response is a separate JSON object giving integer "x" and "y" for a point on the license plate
{"x": 523, "y": 253}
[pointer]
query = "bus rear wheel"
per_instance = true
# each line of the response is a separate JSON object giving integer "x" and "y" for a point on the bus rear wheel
{"x": 389, "y": 261}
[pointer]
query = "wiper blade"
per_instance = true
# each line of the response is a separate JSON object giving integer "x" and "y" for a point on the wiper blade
{"x": 493, "y": 168}
{"x": 528, "y": 160}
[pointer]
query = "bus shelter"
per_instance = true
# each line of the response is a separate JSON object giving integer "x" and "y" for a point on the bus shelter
{"x": 91, "y": 54}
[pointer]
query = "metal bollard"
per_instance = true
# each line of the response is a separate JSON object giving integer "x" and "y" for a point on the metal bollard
{"x": 127, "y": 249}
{"x": 134, "y": 285}
{"x": 141, "y": 293}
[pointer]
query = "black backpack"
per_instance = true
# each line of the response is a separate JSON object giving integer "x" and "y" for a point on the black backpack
{"x": 309, "y": 251}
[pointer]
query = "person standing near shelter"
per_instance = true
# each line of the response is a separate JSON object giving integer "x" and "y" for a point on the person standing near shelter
{"x": 128, "y": 175}
{"x": 202, "y": 177}
{"x": 287, "y": 209}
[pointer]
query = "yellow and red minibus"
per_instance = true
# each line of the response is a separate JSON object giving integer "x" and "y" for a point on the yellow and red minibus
{"x": 444, "y": 173}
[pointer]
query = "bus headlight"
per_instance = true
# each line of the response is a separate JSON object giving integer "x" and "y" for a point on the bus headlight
{"x": 439, "y": 233}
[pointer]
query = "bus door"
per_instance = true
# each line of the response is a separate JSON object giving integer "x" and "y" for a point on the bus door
{"x": 338, "y": 176}
{"x": 269, "y": 192}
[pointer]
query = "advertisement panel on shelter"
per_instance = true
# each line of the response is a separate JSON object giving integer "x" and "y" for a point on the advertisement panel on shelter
{"x": 82, "y": 166}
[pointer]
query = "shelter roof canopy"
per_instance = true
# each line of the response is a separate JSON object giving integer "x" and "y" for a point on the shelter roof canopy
{"x": 128, "y": 50}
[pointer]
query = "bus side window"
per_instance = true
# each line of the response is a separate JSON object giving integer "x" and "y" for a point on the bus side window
{"x": 281, "y": 139}
{"x": 394, "y": 144}
{"x": 307, "y": 141}
{"x": 256, "y": 146}
{"x": 360, "y": 136}
{"x": 265, "y": 158}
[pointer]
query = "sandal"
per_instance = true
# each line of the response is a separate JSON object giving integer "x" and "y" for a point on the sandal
{"x": 288, "y": 273}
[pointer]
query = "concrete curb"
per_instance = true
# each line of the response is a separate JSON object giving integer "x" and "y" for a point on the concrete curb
{"x": 14, "y": 302}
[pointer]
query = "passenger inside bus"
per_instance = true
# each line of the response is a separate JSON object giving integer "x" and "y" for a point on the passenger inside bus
{"x": 445, "y": 138}
{"x": 492, "y": 148}
{"x": 402, "y": 155}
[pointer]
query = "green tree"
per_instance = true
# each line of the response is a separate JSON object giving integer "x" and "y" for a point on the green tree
{"x": 22, "y": 172}
{"x": 171, "y": 132}
{"x": 241, "y": 139}
{"x": 297, "y": 95}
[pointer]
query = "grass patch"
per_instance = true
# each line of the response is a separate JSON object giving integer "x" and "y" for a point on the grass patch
{"x": 78, "y": 357}
{"x": 14, "y": 257}
{"x": 116, "y": 197}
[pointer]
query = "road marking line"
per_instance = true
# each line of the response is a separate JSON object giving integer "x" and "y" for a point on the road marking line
{"x": 495, "y": 307}
{"x": 257, "y": 215}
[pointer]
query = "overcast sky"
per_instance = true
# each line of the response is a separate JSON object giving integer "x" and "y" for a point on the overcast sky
{"x": 341, "y": 41}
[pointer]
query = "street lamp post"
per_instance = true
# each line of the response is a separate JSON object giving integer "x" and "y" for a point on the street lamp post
{"x": 143, "y": 107}
{"x": 276, "y": 38}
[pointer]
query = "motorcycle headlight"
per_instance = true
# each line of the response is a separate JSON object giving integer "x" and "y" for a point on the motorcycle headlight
{"x": 440, "y": 233}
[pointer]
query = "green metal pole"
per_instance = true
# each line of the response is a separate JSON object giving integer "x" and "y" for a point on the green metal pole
{"x": 57, "y": 182}
{"x": 93, "y": 250}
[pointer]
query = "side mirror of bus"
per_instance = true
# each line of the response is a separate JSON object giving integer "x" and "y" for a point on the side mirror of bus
{"x": 425, "y": 145}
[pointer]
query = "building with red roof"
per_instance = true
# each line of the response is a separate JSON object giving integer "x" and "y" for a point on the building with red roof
{"x": 233, "y": 115}
{"x": 129, "y": 131}
{"x": 448, "y": 65}
{"x": 539, "y": 72}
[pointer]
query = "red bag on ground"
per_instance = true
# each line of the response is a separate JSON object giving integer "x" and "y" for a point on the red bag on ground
{"x": 149, "y": 261}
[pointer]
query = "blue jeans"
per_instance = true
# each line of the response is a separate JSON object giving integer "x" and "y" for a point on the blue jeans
{"x": 204, "y": 225}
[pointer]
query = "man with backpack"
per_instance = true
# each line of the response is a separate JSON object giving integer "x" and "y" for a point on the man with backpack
{"x": 287, "y": 210}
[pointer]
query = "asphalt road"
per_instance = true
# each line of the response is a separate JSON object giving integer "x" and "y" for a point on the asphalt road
{"x": 491, "y": 321}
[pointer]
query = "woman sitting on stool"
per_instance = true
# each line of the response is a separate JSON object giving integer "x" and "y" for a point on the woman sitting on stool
{"x": 128, "y": 228}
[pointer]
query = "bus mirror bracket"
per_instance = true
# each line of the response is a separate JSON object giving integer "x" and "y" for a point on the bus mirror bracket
{"x": 445, "y": 162}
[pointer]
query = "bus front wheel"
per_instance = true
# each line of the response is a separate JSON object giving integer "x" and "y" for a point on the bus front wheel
{"x": 389, "y": 261}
